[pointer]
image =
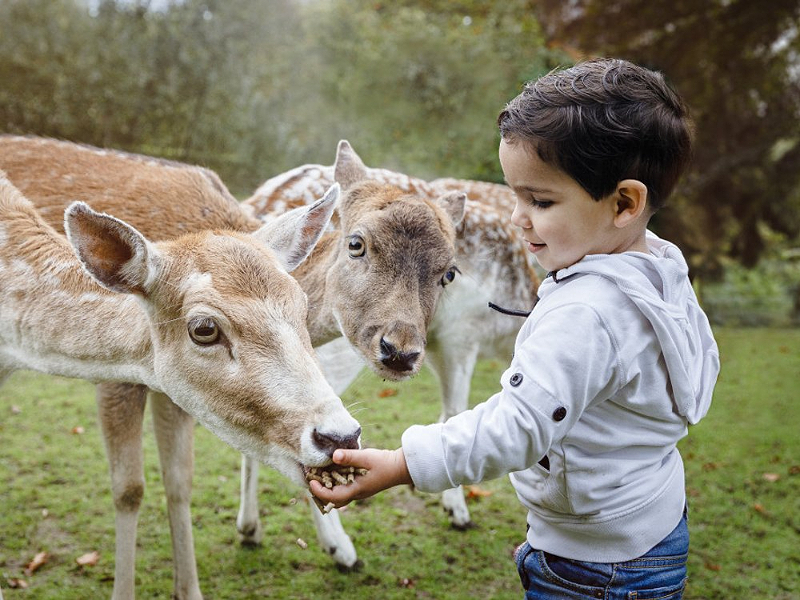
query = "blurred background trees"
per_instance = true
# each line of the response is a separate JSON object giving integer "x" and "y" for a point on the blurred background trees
{"x": 251, "y": 88}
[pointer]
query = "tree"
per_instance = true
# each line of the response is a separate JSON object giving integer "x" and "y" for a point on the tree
{"x": 737, "y": 63}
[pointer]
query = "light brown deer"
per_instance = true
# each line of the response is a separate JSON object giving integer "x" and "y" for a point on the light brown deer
{"x": 494, "y": 267}
{"x": 376, "y": 281}
{"x": 212, "y": 320}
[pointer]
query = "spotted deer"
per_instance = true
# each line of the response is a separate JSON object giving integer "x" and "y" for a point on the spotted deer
{"x": 493, "y": 268}
{"x": 211, "y": 321}
{"x": 374, "y": 282}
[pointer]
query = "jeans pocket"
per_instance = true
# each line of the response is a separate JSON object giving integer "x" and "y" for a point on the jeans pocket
{"x": 520, "y": 554}
{"x": 663, "y": 593}
{"x": 566, "y": 578}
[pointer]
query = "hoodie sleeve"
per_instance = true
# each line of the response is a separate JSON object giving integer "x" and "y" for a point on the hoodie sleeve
{"x": 564, "y": 360}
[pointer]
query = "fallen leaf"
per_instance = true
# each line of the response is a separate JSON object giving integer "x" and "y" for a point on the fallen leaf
{"x": 759, "y": 508}
{"x": 16, "y": 583}
{"x": 386, "y": 392}
{"x": 713, "y": 566}
{"x": 474, "y": 491}
{"x": 37, "y": 562}
{"x": 89, "y": 559}
{"x": 77, "y": 430}
{"x": 771, "y": 477}
{"x": 794, "y": 470}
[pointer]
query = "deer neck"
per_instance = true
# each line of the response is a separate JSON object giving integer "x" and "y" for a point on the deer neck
{"x": 56, "y": 319}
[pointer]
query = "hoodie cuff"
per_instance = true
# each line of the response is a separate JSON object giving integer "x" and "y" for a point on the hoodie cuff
{"x": 424, "y": 453}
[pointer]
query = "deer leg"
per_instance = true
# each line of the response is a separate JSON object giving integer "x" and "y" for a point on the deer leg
{"x": 453, "y": 365}
{"x": 121, "y": 412}
{"x": 334, "y": 539}
{"x": 247, "y": 522}
{"x": 174, "y": 431}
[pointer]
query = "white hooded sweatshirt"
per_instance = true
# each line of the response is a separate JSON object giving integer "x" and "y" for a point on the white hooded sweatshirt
{"x": 614, "y": 362}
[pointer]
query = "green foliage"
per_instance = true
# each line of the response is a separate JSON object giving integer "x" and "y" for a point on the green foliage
{"x": 768, "y": 295}
{"x": 253, "y": 88}
{"x": 418, "y": 85}
{"x": 742, "y": 465}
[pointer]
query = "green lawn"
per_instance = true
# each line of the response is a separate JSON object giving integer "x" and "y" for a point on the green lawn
{"x": 742, "y": 477}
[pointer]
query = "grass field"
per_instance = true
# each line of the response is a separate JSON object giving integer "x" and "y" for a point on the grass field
{"x": 743, "y": 481}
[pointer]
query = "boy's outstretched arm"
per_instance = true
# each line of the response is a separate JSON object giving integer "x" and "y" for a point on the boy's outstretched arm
{"x": 387, "y": 468}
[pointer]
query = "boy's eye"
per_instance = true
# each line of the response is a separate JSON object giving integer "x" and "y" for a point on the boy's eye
{"x": 540, "y": 203}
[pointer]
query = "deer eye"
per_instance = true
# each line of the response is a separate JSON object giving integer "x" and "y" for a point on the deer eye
{"x": 204, "y": 331}
{"x": 449, "y": 276}
{"x": 356, "y": 246}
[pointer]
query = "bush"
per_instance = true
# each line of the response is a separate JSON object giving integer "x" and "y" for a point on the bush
{"x": 768, "y": 295}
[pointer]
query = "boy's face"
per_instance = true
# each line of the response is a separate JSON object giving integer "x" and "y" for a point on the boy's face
{"x": 560, "y": 220}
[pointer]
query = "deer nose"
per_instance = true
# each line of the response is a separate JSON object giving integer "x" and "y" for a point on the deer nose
{"x": 328, "y": 442}
{"x": 395, "y": 359}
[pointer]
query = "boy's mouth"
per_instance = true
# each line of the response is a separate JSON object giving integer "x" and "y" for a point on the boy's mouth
{"x": 533, "y": 247}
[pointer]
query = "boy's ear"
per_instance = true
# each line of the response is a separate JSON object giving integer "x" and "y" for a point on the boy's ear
{"x": 631, "y": 202}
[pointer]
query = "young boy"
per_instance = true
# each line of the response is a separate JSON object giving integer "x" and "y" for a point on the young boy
{"x": 614, "y": 362}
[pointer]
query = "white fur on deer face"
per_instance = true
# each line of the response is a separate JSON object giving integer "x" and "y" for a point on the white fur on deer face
{"x": 229, "y": 339}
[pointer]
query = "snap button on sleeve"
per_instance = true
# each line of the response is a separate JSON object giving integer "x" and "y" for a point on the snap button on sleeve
{"x": 515, "y": 379}
{"x": 559, "y": 413}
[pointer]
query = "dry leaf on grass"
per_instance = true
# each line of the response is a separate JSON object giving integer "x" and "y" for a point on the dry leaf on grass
{"x": 37, "y": 562}
{"x": 17, "y": 584}
{"x": 89, "y": 559}
{"x": 386, "y": 392}
{"x": 474, "y": 491}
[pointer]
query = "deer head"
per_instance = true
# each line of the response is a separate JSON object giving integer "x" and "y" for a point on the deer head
{"x": 396, "y": 256}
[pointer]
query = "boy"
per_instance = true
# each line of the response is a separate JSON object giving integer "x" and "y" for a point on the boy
{"x": 614, "y": 362}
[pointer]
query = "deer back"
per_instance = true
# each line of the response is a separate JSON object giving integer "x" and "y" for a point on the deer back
{"x": 162, "y": 198}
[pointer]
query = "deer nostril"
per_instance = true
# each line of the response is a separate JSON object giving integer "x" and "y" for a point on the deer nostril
{"x": 328, "y": 442}
{"x": 395, "y": 359}
{"x": 387, "y": 348}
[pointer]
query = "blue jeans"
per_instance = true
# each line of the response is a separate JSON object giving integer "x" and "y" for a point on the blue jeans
{"x": 659, "y": 574}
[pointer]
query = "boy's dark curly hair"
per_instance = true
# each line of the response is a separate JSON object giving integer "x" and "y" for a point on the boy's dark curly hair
{"x": 602, "y": 121}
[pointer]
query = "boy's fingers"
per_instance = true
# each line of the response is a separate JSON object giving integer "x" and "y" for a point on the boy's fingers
{"x": 340, "y": 457}
{"x": 339, "y": 495}
{"x": 351, "y": 458}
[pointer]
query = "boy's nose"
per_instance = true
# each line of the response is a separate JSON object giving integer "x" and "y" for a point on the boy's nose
{"x": 519, "y": 219}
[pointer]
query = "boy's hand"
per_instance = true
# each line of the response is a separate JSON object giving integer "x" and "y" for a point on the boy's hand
{"x": 387, "y": 468}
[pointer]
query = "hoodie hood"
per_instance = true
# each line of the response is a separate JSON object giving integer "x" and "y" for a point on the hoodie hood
{"x": 658, "y": 284}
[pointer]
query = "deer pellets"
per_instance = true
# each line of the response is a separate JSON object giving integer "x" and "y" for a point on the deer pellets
{"x": 334, "y": 475}
{"x": 331, "y": 476}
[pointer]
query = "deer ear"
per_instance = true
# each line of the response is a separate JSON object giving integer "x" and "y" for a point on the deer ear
{"x": 348, "y": 169}
{"x": 115, "y": 254}
{"x": 293, "y": 235}
{"x": 454, "y": 204}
